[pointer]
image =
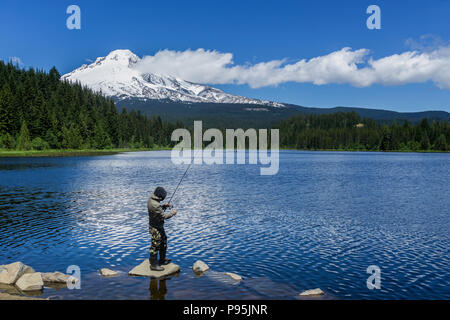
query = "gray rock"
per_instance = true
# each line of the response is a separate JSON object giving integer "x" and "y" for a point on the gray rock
{"x": 200, "y": 267}
{"x": 234, "y": 276}
{"x": 30, "y": 282}
{"x": 58, "y": 277}
{"x": 144, "y": 270}
{"x": 312, "y": 292}
{"x": 10, "y": 273}
{"x": 108, "y": 272}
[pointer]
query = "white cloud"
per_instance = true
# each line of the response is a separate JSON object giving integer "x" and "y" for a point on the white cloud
{"x": 199, "y": 66}
{"x": 345, "y": 66}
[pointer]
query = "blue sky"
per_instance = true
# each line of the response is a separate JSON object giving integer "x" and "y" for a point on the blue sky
{"x": 252, "y": 31}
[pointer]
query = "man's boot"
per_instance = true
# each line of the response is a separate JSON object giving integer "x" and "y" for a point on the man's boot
{"x": 154, "y": 263}
{"x": 162, "y": 257}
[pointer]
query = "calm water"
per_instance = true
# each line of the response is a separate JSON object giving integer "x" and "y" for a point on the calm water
{"x": 320, "y": 222}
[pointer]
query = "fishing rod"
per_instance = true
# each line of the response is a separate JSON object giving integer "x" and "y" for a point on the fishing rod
{"x": 185, "y": 172}
{"x": 179, "y": 183}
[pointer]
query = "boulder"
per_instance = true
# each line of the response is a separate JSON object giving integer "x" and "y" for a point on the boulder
{"x": 58, "y": 277}
{"x": 234, "y": 276}
{"x": 312, "y": 292}
{"x": 108, "y": 272}
{"x": 220, "y": 277}
{"x": 144, "y": 270}
{"x": 200, "y": 267}
{"x": 30, "y": 282}
{"x": 10, "y": 273}
{"x": 3, "y": 269}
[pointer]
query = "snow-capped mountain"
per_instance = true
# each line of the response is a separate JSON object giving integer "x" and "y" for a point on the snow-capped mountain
{"x": 116, "y": 76}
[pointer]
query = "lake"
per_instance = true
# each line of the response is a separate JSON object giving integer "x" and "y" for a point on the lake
{"x": 320, "y": 222}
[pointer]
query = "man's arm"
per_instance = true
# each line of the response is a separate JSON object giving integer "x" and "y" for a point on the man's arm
{"x": 164, "y": 215}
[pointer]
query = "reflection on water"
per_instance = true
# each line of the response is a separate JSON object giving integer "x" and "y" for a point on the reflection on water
{"x": 158, "y": 289}
{"x": 320, "y": 222}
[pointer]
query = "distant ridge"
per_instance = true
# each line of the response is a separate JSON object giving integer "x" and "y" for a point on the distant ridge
{"x": 225, "y": 115}
{"x": 380, "y": 114}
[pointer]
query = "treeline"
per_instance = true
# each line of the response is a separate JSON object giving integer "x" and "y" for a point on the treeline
{"x": 348, "y": 131}
{"x": 38, "y": 111}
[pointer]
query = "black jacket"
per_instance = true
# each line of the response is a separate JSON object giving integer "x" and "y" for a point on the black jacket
{"x": 156, "y": 213}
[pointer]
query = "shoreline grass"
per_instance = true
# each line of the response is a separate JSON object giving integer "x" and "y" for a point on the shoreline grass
{"x": 71, "y": 153}
{"x": 361, "y": 150}
{"x": 4, "y": 153}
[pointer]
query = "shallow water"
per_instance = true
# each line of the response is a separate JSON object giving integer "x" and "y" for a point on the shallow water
{"x": 320, "y": 222}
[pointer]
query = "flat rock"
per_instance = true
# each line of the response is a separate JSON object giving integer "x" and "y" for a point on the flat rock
{"x": 30, "y": 282}
{"x": 200, "y": 267}
{"x": 58, "y": 277}
{"x": 108, "y": 272}
{"x": 10, "y": 273}
{"x": 312, "y": 292}
{"x": 233, "y": 276}
{"x": 144, "y": 270}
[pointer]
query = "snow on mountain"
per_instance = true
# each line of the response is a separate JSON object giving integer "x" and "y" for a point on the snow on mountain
{"x": 115, "y": 76}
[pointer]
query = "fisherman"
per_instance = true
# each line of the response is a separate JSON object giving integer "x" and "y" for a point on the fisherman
{"x": 156, "y": 227}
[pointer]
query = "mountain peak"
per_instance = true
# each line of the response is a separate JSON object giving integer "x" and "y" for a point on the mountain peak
{"x": 122, "y": 55}
{"x": 115, "y": 75}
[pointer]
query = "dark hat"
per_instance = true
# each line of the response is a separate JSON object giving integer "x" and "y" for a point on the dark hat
{"x": 160, "y": 193}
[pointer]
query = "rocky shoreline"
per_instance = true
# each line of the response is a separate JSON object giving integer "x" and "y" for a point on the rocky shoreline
{"x": 24, "y": 279}
{"x": 25, "y": 283}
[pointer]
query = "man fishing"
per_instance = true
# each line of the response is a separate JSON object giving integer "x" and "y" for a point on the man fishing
{"x": 156, "y": 227}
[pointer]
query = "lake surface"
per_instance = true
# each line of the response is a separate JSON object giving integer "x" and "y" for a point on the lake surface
{"x": 320, "y": 222}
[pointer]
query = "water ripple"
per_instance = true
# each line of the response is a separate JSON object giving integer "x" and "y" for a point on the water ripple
{"x": 320, "y": 222}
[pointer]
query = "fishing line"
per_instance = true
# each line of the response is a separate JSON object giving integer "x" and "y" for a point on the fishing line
{"x": 170, "y": 200}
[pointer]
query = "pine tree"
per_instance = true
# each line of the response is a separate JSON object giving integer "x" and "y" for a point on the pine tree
{"x": 101, "y": 138}
{"x": 51, "y": 138}
{"x": 386, "y": 144}
{"x": 425, "y": 142}
{"x": 6, "y": 112}
{"x": 441, "y": 143}
{"x": 24, "y": 141}
{"x": 6, "y": 141}
{"x": 39, "y": 144}
{"x": 71, "y": 138}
